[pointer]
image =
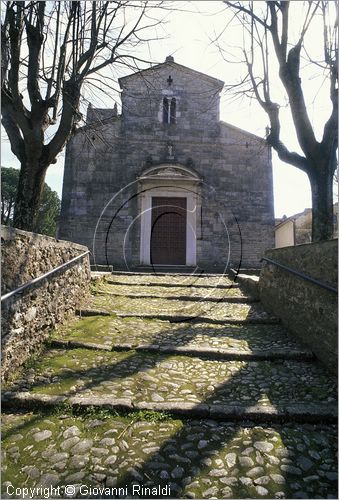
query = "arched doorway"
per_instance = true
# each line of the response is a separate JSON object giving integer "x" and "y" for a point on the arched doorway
{"x": 169, "y": 203}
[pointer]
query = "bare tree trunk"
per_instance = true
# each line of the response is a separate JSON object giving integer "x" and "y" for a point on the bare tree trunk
{"x": 322, "y": 204}
{"x": 49, "y": 49}
{"x": 31, "y": 182}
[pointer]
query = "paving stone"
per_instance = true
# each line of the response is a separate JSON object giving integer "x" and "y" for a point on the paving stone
{"x": 164, "y": 474}
{"x": 332, "y": 476}
{"x": 95, "y": 423}
{"x": 247, "y": 451}
{"x": 107, "y": 441}
{"x": 32, "y": 471}
{"x": 261, "y": 491}
{"x": 75, "y": 478}
{"x": 305, "y": 463}
{"x": 68, "y": 443}
{"x": 231, "y": 481}
{"x": 111, "y": 460}
{"x": 78, "y": 461}
{"x": 246, "y": 462}
{"x": 278, "y": 478}
{"x": 82, "y": 446}
{"x": 247, "y": 481}
{"x": 71, "y": 432}
{"x": 262, "y": 480}
{"x": 16, "y": 437}
{"x": 314, "y": 454}
{"x": 231, "y": 459}
{"x": 58, "y": 457}
{"x": 59, "y": 466}
{"x": 301, "y": 494}
{"x": 263, "y": 446}
{"x": 255, "y": 472}
{"x": 41, "y": 436}
{"x": 47, "y": 480}
{"x": 202, "y": 444}
{"x": 291, "y": 470}
{"x": 210, "y": 492}
{"x": 99, "y": 451}
{"x": 177, "y": 472}
{"x": 111, "y": 481}
{"x": 280, "y": 494}
{"x": 218, "y": 473}
{"x": 198, "y": 457}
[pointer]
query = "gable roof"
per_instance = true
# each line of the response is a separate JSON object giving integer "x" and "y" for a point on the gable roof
{"x": 241, "y": 130}
{"x": 291, "y": 218}
{"x": 169, "y": 62}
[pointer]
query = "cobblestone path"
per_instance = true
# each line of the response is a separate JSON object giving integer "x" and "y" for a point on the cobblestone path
{"x": 171, "y": 387}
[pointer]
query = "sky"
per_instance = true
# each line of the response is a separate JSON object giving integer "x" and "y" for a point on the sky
{"x": 188, "y": 37}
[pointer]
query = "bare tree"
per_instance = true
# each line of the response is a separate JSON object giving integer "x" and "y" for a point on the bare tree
{"x": 49, "y": 51}
{"x": 267, "y": 29}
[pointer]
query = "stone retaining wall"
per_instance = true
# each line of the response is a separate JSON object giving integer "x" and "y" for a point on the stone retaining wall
{"x": 28, "y": 317}
{"x": 308, "y": 311}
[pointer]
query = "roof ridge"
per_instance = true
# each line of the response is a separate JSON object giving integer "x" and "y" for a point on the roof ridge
{"x": 172, "y": 63}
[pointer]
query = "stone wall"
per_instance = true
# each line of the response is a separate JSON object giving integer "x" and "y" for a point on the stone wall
{"x": 308, "y": 311}
{"x": 28, "y": 317}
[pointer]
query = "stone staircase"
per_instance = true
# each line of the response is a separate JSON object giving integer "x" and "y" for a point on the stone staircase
{"x": 197, "y": 349}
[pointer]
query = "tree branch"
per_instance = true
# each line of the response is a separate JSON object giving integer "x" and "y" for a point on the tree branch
{"x": 71, "y": 97}
{"x": 13, "y": 132}
{"x": 241, "y": 8}
{"x": 34, "y": 42}
{"x": 15, "y": 34}
{"x": 289, "y": 74}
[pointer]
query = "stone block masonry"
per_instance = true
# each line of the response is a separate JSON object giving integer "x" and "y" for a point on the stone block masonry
{"x": 309, "y": 311}
{"x": 105, "y": 202}
{"x": 28, "y": 317}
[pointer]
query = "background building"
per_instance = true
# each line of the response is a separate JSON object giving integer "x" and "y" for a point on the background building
{"x": 297, "y": 229}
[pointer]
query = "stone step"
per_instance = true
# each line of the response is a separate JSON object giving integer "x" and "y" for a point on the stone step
{"x": 99, "y": 268}
{"x": 202, "y": 352}
{"x": 248, "y": 271}
{"x": 174, "y": 285}
{"x": 108, "y": 332}
{"x": 171, "y": 318}
{"x": 175, "y": 310}
{"x": 99, "y": 276}
{"x": 296, "y": 413}
{"x": 184, "y": 298}
{"x": 173, "y": 292}
{"x": 167, "y": 279}
{"x": 167, "y": 271}
{"x": 222, "y": 389}
{"x": 163, "y": 270}
{"x": 195, "y": 458}
{"x": 92, "y": 312}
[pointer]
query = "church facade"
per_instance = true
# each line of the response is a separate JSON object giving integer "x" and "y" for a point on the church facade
{"x": 166, "y": 183}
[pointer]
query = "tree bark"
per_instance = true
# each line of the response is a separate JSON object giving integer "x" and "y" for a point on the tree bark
{"x": 322, "y": 203}
{"x": 31, "y": 182}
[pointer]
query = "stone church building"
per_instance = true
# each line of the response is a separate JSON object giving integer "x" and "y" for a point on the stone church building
{"x": 166, "y": 182}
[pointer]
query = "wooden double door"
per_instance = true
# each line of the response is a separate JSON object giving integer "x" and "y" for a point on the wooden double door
{"x": 168, "y": 231}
